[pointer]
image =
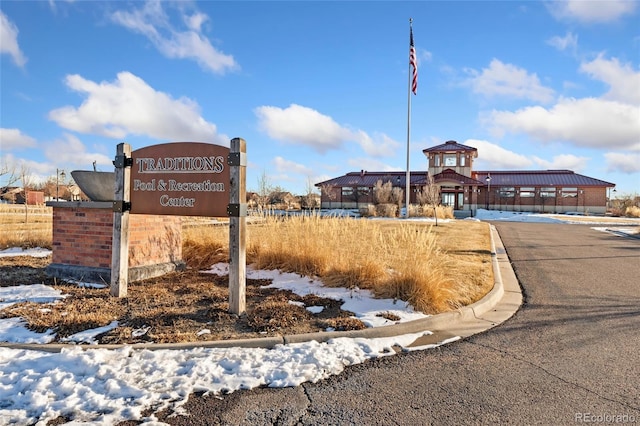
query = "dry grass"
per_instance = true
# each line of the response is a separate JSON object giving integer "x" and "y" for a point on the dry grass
{"x": 391, "y": 210}
{"x": 179, "y": 307}
{"x": 443, "y": 212}
{"x": 632, "y": 211}
{"x": 25, "y": 226}
{"x": 434, "y": 268}
{"x": 412, "y": 261}
{"x": 393, "y": 258}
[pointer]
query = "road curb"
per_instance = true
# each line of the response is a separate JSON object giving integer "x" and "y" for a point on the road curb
{"x": 495, "y": 307}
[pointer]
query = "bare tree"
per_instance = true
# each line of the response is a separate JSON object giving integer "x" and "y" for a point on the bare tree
{"x": 9, "y": 172}
{"x": 327, "y": 190}
{"x": 265, "y": 188}
{"x": 309, "y": 199}
{"x": 27, "y": 182}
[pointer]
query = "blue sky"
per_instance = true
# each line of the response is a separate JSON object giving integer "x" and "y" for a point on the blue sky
{"x": 319, "y": 89}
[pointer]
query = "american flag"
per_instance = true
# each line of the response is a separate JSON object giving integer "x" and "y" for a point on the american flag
{"x": 414, "y": 64}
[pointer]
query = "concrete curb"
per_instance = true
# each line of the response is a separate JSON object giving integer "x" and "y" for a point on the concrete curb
{"x": 496, "y": 307}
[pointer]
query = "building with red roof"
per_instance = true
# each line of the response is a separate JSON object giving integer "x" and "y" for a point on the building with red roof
{"x": 451, "y": 166}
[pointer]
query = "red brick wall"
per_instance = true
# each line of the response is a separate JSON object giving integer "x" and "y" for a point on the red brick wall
{"x": 82, "y": 236}
{"x": 154, "y": 239}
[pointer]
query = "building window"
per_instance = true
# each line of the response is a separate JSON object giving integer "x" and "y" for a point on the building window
{"x": 436, "y": 160}
{"x": 507, "y": 192}
{"x": 347, "y": 192}
{"x": 363, "y": 191}
{"x": 547, "y": 192}
{"x": 462, "y": 160}
{"x": 527, "y": 192}
{"x": 569, "y": 192}
{"x": 449, "y": 160}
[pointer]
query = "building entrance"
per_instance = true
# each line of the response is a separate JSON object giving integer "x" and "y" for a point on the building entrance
{"x": 453, "y": 199}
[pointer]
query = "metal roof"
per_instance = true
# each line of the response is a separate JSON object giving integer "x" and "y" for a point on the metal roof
{"x": 539, "y": 178}
{"x": 450, "y": 146}
{"x": 369, "y": 179}
{"x": 453, "y": 176}
{"x": 533, "y": 178}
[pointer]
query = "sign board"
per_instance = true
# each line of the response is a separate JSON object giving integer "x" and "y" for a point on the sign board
{"x": 183, "y": 179}
{"x": 180, "y": 178}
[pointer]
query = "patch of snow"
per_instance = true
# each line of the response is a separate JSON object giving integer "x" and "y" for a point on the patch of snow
{"x": 89, "y": 336}
{"x": 36, "y": 293}
{"x": 315, "y": 309}
{"x": 101, "y": 386}
{"x": 482, "y": 214}
{"x": 33, "y": 252}
{"x": 14, "y": 330}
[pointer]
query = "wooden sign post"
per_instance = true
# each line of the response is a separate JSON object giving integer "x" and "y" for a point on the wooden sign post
{"x": 184, "y": 179}
{"x": 120, "y": 240}
{"x": 237, "y": 225}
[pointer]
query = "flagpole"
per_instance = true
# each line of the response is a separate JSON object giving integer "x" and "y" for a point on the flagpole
{"x": 408, "y": 176}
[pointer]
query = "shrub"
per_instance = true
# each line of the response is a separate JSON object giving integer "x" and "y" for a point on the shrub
{"x": 382, "y": 192}
{"x": 368, "y": 211}
{"x": 387, "y": 210}
{"x": 632, "y": 211}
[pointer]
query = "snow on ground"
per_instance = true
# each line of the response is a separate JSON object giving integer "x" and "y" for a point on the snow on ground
{"x": 17, "y": 251}
{"x": 37, "y": 293}
{"x": 104, "y": 386}
{"x": 359, "y": 301}
{"x": 482, "y": 214}
{"x": 621, "y": 226}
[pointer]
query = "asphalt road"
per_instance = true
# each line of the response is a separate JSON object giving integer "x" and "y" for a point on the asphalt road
{"x": 570, "y": 355}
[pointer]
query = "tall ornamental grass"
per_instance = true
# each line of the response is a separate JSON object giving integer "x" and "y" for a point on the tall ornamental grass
{"x": 393, "y": 259}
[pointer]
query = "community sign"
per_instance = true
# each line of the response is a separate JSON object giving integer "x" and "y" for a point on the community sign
{"x": 180, "y": 178}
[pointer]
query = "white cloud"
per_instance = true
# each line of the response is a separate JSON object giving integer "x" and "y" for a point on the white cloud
{"x": 588, "y": 122}
{"x": 379, "y": 146}
{"x": 36, "y": 172}
{"x": 15, "y": 139}
{"x": 195, "y": 21}
{"x": 369, "y": 164}
{"x": 587, "y": 11}
{"x": 563, "y": 161}
{"x": 623, "y": 162}
{"x": 301, "y": 125}
{"x": 493, "y": 156}
{"x": 9, "y": 41}
{"x": 612, "y": 121}
{"x": 568, "y": 42}
{"x": 289, "y": 166}
{"x": 508, "y": 80}
{"x": 130, "y": 106}
{"x": 70, "y": 150}
{"x": 623, "y": 80}
{"x": 152, "y": 22}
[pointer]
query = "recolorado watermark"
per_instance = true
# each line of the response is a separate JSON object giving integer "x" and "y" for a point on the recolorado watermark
{"x": 604, "y": 418}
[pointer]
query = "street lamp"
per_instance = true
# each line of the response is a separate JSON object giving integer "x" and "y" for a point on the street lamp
{"x": 488, "y": 179}
{"x": 59, "y": 174}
